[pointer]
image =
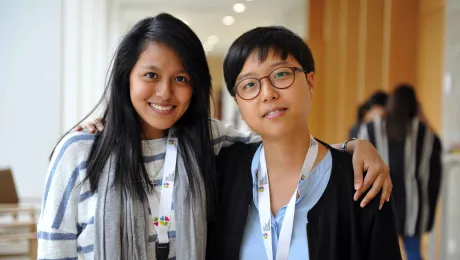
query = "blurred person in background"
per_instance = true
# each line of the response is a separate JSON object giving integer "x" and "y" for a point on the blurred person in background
{"x": 363, "y": 109}
{"x": 376, "y": 106}
{"x": 413, "y": 152}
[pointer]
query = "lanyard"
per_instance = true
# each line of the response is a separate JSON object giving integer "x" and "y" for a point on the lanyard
{"x": 162, "y": 212}
{"x": 265, "y": 214}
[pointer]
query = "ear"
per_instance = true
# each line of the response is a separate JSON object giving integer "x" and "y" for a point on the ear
{"x": 236, "y": 100}
{"x": 311, "y": 82}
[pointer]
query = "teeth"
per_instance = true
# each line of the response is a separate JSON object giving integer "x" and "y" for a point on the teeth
{"x": 163, "y": 108}
{"x": 274, "y": 112}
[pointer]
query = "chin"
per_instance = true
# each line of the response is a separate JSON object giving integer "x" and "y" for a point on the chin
{"x": 277, "y": 129}
{"x": 162, "y": 126}
{"x": 156, "y": 129}
{"x": 273, "y": 133}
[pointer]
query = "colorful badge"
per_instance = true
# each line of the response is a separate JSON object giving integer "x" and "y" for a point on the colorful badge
{"x": 261, "y": 188}
{"x": 163, "y": 221}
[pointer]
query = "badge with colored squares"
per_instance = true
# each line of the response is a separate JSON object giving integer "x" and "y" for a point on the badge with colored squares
{"x": 166, "y": 185}
{"x": 265, "y": 235}
{"x": 163, "y": 221}
{"x": 170, "y": 141}
{"x": 261, "y": 188}
{"x": 302, "y": 178}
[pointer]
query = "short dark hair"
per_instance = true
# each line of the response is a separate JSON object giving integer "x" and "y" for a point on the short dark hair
{"x": 265, "y": 39}
{"x": 379, "y": 98}
{"x": 362, "y": 110}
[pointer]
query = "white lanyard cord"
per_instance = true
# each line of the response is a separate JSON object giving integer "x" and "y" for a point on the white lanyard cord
{"x": 265, "y": 214}
{"x": 161, "y": 210}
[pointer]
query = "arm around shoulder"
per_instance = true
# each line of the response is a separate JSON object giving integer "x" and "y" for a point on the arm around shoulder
{"x": 225, "y": 135}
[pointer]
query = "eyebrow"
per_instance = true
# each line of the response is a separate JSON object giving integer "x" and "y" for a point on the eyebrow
{"x": 151, "y": 67}
{"x": 240, "y": 77}
{"x": 281, "y": 62}
{"x": 154, "y": 67}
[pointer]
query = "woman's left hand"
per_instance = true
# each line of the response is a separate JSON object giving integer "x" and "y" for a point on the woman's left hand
{"x": 366, "y": 158}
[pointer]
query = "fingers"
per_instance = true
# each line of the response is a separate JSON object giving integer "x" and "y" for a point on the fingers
{"x": 91, "y": 128}
{"x": 95, "y": 126}
{"x": 387, "y": 189}
{"x": 358, "y": 170}
{"x": 376, "y": 187}
{"x": 99, "y": 126}
{"x": 372, "y": 173}
{"x": 379, "y": 178}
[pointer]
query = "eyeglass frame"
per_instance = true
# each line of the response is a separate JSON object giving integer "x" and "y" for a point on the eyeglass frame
{"x": 294, "y": 70}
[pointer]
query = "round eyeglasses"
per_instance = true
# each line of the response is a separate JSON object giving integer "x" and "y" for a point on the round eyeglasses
{"x": 280, "y": 78}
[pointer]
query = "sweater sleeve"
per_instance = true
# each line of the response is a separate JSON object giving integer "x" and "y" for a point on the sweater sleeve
{"x": 383, "y": 239}
{"x": 363, "y": 133}
{"x": 225, "y": 135}
{"x": 57, "y": 227}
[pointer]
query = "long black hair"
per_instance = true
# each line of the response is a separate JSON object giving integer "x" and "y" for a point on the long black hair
{"x": 401, "y": 108}
{"x": 122, "y": 135}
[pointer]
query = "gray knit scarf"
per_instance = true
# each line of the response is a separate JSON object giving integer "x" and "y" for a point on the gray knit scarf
{"x": 122, "y": 224}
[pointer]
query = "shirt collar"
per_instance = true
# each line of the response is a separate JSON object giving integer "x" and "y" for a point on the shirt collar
{"x": 304, "y": 186}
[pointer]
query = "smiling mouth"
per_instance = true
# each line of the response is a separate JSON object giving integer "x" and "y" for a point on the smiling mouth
{"x": 275, "y": 112}
{"x": 161, "y": 107}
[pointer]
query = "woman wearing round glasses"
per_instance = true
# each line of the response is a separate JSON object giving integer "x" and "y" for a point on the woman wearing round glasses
{"x": 281, "y": 78}
{"x": 288, "y": 197}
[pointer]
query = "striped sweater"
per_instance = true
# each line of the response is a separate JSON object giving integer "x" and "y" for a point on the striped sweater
{"x": 66, "y": 224}
{"x": 416, "y": 169}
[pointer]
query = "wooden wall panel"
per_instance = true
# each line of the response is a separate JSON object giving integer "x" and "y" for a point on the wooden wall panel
{"x": 361, "y": 46}
{"x": 331, "y": 66}
{"x": 430, "y": 59}
{"x": 403, "y": 43}
{"x": 374, "y": 46}
{"x": 316, "y": 43}
{"x": 350, "y": 88}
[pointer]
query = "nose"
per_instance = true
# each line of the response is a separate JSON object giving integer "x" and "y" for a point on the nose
{"x": 268, "y": 92}
{"x": 164, "y": 89}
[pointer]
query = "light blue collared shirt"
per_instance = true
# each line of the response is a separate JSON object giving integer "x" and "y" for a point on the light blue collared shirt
{"x": 310, "y": 191}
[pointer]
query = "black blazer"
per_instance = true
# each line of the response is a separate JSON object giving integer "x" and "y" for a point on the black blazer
{"x": 338, "y": 227}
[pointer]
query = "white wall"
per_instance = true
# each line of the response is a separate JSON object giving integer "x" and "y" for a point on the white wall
{"x": 451, "y": 106}
{"x": 54, "y": 56}
{"x": 450, "y": 208}
{"x": 30, "y": 78}
{"x": 86, "y": 55}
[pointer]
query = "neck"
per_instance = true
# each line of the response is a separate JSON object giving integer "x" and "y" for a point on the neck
{"x": 286, "y": 155}
{"x": 152, "y": 133}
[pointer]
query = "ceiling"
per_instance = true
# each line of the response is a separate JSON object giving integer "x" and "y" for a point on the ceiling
{"x": 205, "y": 16}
